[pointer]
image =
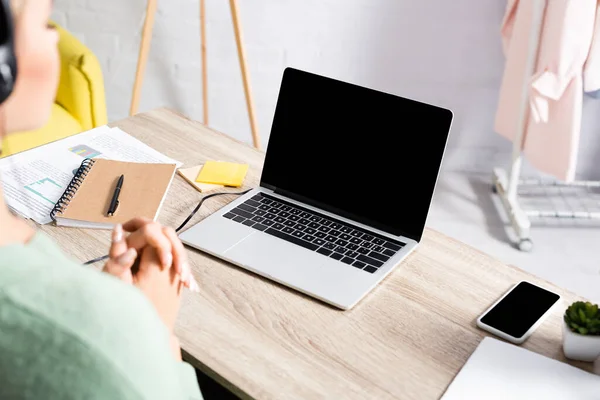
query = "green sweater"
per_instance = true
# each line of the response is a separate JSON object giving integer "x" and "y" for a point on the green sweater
{"x": 70, "y": 332}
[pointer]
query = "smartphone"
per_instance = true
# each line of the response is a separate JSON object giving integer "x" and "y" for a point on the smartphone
{"x": 519, "y": 312}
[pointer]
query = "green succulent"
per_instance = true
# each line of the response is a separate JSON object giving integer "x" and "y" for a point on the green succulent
{"x": 583, "y": 318}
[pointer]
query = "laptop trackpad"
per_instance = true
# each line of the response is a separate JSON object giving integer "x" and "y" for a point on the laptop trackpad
{"x": 275, "y": 258}
{"x": 215, "y": 235}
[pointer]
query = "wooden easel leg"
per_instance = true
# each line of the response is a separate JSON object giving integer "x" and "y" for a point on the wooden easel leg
{"x": 244, "y": 68}
{"x": 143, "y": 56}
{"x": 204, "y": 66}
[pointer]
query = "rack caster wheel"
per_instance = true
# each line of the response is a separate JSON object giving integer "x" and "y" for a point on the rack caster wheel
{"x": 494, "y": 188}
{"x": 525, "y": 245}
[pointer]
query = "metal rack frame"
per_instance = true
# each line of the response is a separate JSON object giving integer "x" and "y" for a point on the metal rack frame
{"x": 506, "y": 183}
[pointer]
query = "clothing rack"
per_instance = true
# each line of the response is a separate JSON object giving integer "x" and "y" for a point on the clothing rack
{"x": 506, "y": 183}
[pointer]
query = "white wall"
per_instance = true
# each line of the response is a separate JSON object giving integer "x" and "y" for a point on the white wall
{"x": 444, "y": 52}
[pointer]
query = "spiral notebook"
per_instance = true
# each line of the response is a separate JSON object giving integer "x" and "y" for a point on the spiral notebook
{"x": 86, "y": 200}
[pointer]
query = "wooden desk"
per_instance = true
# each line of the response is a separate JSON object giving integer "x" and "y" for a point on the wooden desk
{"x": 405, "y": 340}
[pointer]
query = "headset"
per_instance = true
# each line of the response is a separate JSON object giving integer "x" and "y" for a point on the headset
{"x": 8, "y": 60}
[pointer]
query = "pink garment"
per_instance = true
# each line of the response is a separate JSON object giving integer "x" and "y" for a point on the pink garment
{"x": 556, "y": 88}
{"x": 591, "y": 69}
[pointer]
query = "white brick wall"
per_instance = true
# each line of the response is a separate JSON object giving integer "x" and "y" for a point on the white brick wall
{"x": 444, "y": 52}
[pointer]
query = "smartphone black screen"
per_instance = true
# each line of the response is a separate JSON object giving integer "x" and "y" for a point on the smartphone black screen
{"x": 520, "y": 309}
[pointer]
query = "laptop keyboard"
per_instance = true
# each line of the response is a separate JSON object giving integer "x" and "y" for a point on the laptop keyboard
{"x": 314, "y": 231}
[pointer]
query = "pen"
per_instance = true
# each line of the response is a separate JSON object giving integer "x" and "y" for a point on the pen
{"x": 114, "y": 203}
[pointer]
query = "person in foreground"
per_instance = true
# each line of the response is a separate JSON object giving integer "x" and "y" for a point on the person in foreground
{"x": 69, "y": 331}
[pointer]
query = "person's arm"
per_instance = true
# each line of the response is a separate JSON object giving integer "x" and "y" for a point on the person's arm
{"x": 160, "y": 276}
{"x": 73, "y": 333}
{"x": 189, "y": 381}
{"x": 162, "y": 286}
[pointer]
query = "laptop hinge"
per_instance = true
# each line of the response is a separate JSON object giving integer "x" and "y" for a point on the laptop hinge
{"x": 267, "y": 186}
{"x": 287, "y": 193}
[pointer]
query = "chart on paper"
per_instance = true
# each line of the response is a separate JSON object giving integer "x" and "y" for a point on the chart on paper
{"x": 46, "y": 189}
{"x": 84, "y": 151}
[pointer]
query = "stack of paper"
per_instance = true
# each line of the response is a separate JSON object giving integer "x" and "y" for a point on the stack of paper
{"x": 34, "y": 180}
{"x": 501, "y": 371}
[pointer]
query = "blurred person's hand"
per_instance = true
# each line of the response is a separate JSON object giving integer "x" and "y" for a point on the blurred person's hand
{"x": 124, "y": 251}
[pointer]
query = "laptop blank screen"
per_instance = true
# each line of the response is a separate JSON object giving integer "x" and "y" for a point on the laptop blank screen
{"x": 363, "y": 154}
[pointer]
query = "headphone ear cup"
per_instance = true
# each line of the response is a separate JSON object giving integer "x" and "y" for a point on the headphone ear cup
{"x": 7, "y": 79}
{"x": 8, "y": 60}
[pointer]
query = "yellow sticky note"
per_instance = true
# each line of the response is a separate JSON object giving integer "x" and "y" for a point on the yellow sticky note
{"x": 190, "y": 174}
{"x": 223, "y": 173}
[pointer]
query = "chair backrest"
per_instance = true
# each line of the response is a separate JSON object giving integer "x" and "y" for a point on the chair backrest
{"x": 81, "y": 87}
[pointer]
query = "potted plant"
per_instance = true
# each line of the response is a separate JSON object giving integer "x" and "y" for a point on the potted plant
{"x": 581, "y": 331}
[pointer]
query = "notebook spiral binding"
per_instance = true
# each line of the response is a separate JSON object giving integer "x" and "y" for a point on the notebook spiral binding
{"x": 67, "y": 196}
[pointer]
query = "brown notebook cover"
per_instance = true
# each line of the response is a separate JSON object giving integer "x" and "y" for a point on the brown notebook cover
{"x": 86, "y": 202}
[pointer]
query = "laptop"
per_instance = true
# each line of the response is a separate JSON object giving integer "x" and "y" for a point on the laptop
{"x": 347, "y": 183}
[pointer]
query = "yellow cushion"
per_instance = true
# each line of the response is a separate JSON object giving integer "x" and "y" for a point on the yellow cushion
{"x": 60, "y": 125}
{"x": 81, "y": 87}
